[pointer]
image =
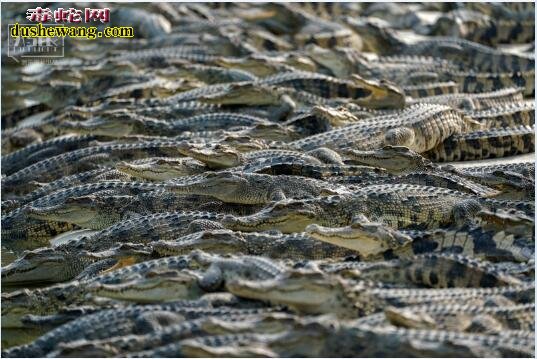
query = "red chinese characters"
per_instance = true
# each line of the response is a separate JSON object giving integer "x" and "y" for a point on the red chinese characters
{"x": 39, "y": 14}
{"x": 97, "y": 14}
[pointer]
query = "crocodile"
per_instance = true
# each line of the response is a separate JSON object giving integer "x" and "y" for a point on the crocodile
{"x": 161, "y": 168}
{"x": 419, "y": 127}
{"x": 145, "y": 229}
{"x": 270, "y": 244}
{"x": 49, "y": 264}
{"x": 463, "y": 317}
{"x": 476, "y": 101}
{"x": 250, "y": 188}
{"x": 101, "y": 211}
{"x": 33, "y": 153}
{"x": 492, "y": 143}
{"x": 18, "y": 229}
{"x": 122, "y": 124}
{"x": 374, "y": 238}
{"x": 88, "y": 158}
{"x": 158, "y": 280}
{"x": 346, "y": 340}
{"x": 478, "y": 27}
{"x": 136, "y": 343}
{"x": 515, "y": 181}
{"x": 414, "y": 70}
{"x": 432, "y": 270}
{"x": 222, "y": 156}
{"x": 312, "y": 292}
{"x": 412, "y": 168}
{"x": 507, "y": 115}
{"x": 158, "y": 287}
{"x": 362, "y": 92}
{"x": 262, "y": 65}
{"x": 397, "y": 205}
{"x": 467, "y": 54}
{"x": 281, "y": 101}
{"x": 39, "y": 190}
{"x": 116, "y": 322}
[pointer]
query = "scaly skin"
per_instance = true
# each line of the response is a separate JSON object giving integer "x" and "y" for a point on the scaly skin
{"x": 161, "y": 168}
{"x": 434, "y": 270}
{"x": 363, "y": 92}
{"x": 315, "y": 293}
{"x": 416, "y": 70}
{"x": 515, "y": 181}
{"x": 103, "y": 210}
{"x": 87, "y": 158}
{"x": 395, "y": 159}
{"x": 398, "y": 206}
{"x": 432, "y": 89}
{"x": 478, "y": 145}
{"x": 33, "y": 153}
{"x": 273, "y": 245}
{"x": 468, "y": 54}
{"x": 87, "y": 177}
{"x": 473, "y": 241}
{"x": 444, "y": 180}
{"x": 419, "y": 128}
{"x": 221, "y": 156}
{"x": 461, "y": 317}
{"x": 477, "y": 27}
{"x": 479, "y": 101}
{"x": 61, "y": 264}
{"x": 507, "y": 115}
{"x": 18, "y": 229}
{"x": 256, "y": 188}
{"x": 116, "y": 322}
{"x": 136, "y": 343}
{"x": 131, "y": 124}
{"x": 165, "y": 279}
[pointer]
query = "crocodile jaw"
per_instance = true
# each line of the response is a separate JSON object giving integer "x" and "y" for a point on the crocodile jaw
{"x": 364, "y": 242}
{"x": 25, "y": 273}
{"x": 63, "y": 213}
{"x": 150, "y": 290}
{"x": 297, "y": 296}
{"x": 295, "y": 222}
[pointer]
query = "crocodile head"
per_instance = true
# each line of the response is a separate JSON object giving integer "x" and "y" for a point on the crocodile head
{"x": 226, "y": 186}
{"x": 382, "y": 94}
{"x": 305, "y": 291}
{"x": 287, "y": 216}
{"x": 407, "y": 318}
{"x": 161, "y": 169}
{"x": 37, "y": 266}
{"x": 39, "y": 301}
{"x": 245, "y": 94}
{"x": 334, "y": 59}
{"x": 14, "y": 305}
{"x": 219, "y": 156}
{"x": 377, "y": 35}
{"x": 395, "y": 159}
{"x": 111, "y": 126}
{"x": 366, "y": 238}
{"x": 155, "y": 286}
{"x": 90, "y": 211}
{"x": 243, "y": 143}
{"x": 216, "y": 241}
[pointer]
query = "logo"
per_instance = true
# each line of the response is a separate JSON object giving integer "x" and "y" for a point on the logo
{"x": 33, "y": 48}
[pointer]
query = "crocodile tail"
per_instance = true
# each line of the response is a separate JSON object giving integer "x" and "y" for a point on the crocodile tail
{"x": 525, "y": 206}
